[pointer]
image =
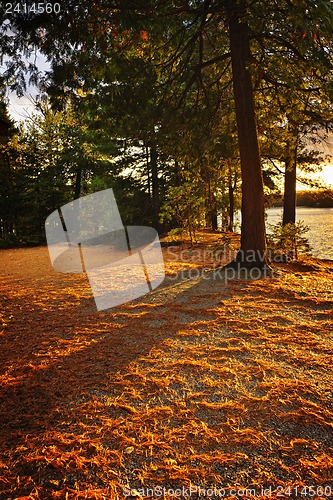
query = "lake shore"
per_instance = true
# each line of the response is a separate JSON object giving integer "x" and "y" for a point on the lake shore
{"x": 201, "y": 382}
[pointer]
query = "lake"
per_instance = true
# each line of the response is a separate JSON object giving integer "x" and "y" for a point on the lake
{"x": 320, "y": 223}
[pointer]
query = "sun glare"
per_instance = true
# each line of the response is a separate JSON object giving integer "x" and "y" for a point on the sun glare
{"x": 327, "y": 174}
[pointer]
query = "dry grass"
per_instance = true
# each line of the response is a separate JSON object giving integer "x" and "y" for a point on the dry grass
{"x": 198, "y": 383}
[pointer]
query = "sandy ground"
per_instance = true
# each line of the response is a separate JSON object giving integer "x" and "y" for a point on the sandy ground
{"x": 201, "y": 384}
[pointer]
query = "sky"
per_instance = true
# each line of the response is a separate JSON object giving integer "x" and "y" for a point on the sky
{"x": 327, "y": 172}
{"x": 20, "y": 108}
{"x": 326, "y": 175}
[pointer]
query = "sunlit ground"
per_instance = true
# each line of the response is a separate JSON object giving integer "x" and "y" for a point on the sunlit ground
{"x": 201, "y": 382}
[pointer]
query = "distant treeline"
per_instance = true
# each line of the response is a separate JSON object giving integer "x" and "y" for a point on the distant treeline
{"x": 319, "y": 199}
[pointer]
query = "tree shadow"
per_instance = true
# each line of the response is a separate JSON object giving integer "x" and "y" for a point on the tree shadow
{"x": 69, "y": 369}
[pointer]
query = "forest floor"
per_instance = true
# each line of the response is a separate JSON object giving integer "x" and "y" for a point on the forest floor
{"x": 203, "y": 383}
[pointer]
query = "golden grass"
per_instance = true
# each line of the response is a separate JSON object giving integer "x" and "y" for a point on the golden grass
{"x": 198, "y": 383}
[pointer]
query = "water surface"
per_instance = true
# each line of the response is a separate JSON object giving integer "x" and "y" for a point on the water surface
{"x": 320, "y": 223}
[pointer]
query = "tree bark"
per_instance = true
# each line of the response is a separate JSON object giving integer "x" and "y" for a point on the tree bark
{"x": 232, "y": 183}
{"x": 253, "y": 238}
{"x": 78, "y": 189}
{"x": 289, "y": 199}
{"x": 213, "y": 212}
{"x": 290, "y": 178}
{"x": 155, "y": 186}
{"x": 211, "y": 206}
{"x": 148, "y": 172}
{"x": 231, "y": 207}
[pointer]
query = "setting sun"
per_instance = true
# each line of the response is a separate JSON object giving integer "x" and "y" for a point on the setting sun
{"x": 327, "y": 174}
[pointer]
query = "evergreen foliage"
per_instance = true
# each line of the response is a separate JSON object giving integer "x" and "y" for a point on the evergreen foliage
{"x": 181, "y": 107}
{"x": 288, "y": 241}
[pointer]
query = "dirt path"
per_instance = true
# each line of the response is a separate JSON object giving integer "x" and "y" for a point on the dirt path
{"x": 202, "y": 383}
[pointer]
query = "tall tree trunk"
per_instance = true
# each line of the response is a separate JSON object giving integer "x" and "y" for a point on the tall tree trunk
{"x": 213, "y": 212}
{"x": 148, "y": 172}
{"x": 232, "y": 183}
{"x": 253, "y": 239}
{"x": 39, "y": 204}
{"x": 289, "y": 199}
{"x": 155, "y": 186}
{"x": 12, "y": 207}
{"x": 290, "y": 178}
{"x": 211, "y": 206}
{"x": 231, "y": 207}
{"x": 78, "y": 189}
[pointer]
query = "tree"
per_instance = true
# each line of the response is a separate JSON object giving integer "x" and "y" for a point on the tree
{"x": 9, "y": 194}
{"x": 192, "y": 44}
{"x": 293, "y": 122}
{"x": 253, "y": 238}
{"x": 44, "y": 165}
{"x": 45, "y": 179}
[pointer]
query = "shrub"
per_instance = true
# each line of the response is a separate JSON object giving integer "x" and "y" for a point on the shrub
{"x": 289, "y": 240}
